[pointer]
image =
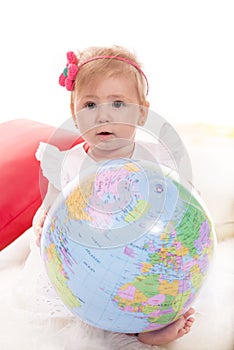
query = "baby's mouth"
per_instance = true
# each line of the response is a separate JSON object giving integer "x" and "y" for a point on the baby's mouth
{"x": 105, "y": 135}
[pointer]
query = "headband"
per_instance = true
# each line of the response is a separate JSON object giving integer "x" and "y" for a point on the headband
{"x": 68, "y": 76}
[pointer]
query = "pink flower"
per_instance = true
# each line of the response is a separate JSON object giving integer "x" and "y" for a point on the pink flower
{"x": 69, "y": 84}
{"x": 71, "y": 57}
{"x": 62, "y": 80}
{"x": 72, "y": 71}
{"x": 67, "y": 78}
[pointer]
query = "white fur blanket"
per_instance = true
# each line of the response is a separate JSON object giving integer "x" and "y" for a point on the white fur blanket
{"x": 213, "y": 328}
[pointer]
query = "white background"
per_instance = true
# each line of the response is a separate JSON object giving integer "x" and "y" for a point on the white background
{"x": 186, "y": 47}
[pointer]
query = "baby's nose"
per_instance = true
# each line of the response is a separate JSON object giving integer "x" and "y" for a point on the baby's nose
{"x": 103, "y": 113}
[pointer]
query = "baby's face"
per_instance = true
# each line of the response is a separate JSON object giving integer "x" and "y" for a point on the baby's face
{"x": 108, "y": 112}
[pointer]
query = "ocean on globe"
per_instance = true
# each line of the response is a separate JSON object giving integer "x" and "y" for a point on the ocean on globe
{"x": 127, "y": 247}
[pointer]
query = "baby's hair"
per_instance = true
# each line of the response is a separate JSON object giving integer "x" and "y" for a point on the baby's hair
{"x": 95, "y": 70}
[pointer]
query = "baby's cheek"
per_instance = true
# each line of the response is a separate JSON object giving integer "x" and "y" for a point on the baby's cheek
{"x": 128, "y": 131}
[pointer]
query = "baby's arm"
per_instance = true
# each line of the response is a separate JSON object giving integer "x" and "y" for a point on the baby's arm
{"x": 40, "y": 216}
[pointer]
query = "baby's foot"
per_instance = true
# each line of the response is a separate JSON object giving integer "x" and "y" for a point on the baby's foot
{"x": 169, "y": 333}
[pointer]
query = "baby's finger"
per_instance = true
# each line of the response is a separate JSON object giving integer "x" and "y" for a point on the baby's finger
{"x": 42, "y": 219}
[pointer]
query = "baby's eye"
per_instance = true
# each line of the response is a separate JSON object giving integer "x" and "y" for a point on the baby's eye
{"x": 118, "y": 104}
{"x": 90, "y": 105}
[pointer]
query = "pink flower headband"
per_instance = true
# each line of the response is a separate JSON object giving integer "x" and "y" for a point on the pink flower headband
{"x": 68, "y": 76}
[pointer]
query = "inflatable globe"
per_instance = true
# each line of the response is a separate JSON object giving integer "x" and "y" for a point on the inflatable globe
{"x": 127, "y": 247}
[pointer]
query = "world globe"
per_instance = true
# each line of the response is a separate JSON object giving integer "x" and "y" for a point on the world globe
{"x": 127, "y": 247}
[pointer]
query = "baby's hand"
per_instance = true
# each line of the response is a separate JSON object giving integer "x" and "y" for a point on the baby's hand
{"x": 39, "y": 226}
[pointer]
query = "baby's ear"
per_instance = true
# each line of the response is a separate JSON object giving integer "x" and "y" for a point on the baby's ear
{"x": 146, "y": 104}
{"x": 72, "y": 108}
{"x": 144, "y": 108}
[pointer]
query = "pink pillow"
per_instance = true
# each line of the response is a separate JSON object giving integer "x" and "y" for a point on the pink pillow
{"x": 20, "y": 192}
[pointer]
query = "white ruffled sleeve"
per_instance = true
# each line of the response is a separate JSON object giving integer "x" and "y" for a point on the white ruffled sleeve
{"x": 52, "y": 164}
